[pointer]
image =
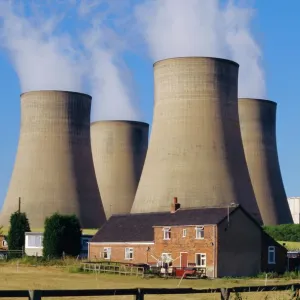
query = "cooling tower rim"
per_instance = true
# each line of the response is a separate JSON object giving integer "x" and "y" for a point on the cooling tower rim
{"x": 121, "y": 121}
{"x": 257, "y": 100}
{"x": 197, "y": 57}
{"x": 56, "y": 91}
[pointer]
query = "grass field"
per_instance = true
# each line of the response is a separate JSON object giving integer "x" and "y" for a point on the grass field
{"x": 291, "y": 245}
{"x": 26, "y": 277}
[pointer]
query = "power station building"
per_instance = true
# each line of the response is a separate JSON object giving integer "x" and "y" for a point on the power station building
{"x": 195, "y": 151}
{"x": 54, "y": 170}
{"x": 258, "y": 128}
{"x": 119, "y": 149}
{"x": 294, "y": 205}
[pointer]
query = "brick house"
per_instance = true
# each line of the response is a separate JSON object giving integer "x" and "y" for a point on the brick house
{"x": 226, "y": 241}
{"x": 3, "y": 242}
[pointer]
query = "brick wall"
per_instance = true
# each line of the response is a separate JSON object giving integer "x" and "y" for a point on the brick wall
{"x": 2, "y": 243}
{"x": 118, "y": 252}
{"x": 188, "y": 244}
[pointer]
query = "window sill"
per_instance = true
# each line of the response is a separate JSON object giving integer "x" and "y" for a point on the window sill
{"x": 199, "y": 238}
{"x": 271, "y": 263}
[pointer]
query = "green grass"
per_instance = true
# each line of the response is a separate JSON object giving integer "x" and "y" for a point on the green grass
{"x": 290, "y": 245}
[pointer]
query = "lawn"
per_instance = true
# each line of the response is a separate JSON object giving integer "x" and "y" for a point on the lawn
{"x": 26, "y": 277}
{"x": 291, "y": 245}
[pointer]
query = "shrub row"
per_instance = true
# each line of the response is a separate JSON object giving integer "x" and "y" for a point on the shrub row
{"x": 62, "y": 235}
{"x": 285, "y": 232}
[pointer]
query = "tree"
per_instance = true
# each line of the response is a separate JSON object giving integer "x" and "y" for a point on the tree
{"x": 284, "y": 232}
{"x": 16, "y": 235}
{"x": 62, "y": 235}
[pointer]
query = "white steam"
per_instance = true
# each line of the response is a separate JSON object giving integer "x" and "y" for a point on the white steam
{"x": 87, "y": 55}
{"x": 173, "y": 28}
{"x": 48, "y": 56}
{"x": 41, "y": 59}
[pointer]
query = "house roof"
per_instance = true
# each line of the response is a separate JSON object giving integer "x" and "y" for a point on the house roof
{"x": 139, "y": 227}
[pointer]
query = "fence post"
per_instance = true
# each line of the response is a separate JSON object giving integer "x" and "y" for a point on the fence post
{"x": 139, "y": 295}
{"x": 225, "y": 294}
{"x": 35, "y": 295}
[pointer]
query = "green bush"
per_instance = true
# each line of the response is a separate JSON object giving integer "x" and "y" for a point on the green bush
{"x": 285, "y": 232}
{"x": 62, "y": 235}
{"x": 16, "y": 235}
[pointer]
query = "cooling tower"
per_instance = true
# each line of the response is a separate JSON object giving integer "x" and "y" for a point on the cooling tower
{"x": 119, "y": 150}
{"x": 54, "y": 169}
{"x": 258, "y": 127}
{"x": 195, "y": 150}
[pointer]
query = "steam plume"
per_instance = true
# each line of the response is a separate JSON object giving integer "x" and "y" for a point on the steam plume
{"x": 46, "y": 54}
{"x": 41, "y": 59}
{"x": 203, "y": 28}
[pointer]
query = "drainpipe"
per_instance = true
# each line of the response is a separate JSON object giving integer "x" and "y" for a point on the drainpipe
{"x": 214, "y": 251}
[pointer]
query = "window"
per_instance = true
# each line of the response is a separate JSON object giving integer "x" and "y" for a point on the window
{"x": 199, "y": 232}
{"x": 107, "y": 253}
{"x": 4, "y": 243}
{"x": 271, "y": 255}
{"x": 200, "y": 260}
{"x": 166, "y": 257}
{"x": 128, "y": 253}
{"x": 34, "y": 241}
{"x": 167, "y": 233}
{"x": 184, "y": 233}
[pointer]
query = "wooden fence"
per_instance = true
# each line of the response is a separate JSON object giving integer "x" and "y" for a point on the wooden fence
{"x": 139, "y": 294}
{"x": 113, "y": 269}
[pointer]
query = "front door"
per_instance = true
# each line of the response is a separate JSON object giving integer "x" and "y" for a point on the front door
{"x": 183, "y": 259}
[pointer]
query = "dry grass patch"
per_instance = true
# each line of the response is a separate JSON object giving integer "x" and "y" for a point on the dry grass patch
{"x": 25, "y": 278}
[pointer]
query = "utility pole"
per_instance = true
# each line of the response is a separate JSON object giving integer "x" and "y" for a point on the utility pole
{"x": 19, "y": 210}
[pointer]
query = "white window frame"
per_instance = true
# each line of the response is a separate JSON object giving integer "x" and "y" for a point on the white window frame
{"x": 184, "y": 232}
{"x": 271, "y": 249}
{"x": 201, "y": 230}
{"x": 167, "y": 233}
{"x": 202, "y": 256}
{"x": 107, "y": 251}
{"x": 129, "y": 251}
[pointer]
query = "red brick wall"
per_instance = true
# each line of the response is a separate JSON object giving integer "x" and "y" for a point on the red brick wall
{"x": 174, "y": 246}
{"x": 2, "y": 238}
{"x": 188, "y": 244}
{"x": 118, "y": 252}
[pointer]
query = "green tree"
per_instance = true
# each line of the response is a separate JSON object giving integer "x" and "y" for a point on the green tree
{"x": 16, "y": 235}
{"x": 62, "y": 235}
{"x": 284, "y": 232}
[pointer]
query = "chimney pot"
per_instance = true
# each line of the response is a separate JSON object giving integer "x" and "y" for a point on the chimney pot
{"x": 175, "y": 205}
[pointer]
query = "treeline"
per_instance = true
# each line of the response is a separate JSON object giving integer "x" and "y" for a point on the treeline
{"x": 285, "y": 232}
{"x": 62, "y": 234}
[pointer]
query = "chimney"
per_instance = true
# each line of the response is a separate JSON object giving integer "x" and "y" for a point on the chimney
{"x": 175, "y": 205}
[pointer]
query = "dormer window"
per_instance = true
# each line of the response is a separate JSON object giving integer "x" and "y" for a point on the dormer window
{"x": 167, "y": 233}
{"x": 199, "y": 232}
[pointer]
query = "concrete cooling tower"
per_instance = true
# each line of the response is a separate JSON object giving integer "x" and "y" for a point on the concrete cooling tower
{"x": 195, "y": 150}
{"x": 119, "y": 149}
{"x": 54, "y": 170}
{"x": 258, "y": 127}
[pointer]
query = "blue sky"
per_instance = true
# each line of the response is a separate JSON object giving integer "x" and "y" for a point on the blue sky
{"x": 275, "y": 24}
